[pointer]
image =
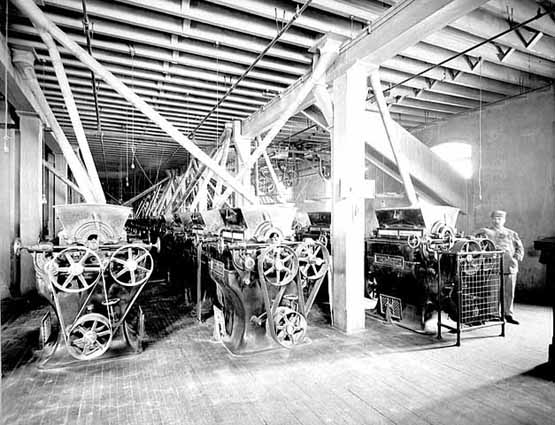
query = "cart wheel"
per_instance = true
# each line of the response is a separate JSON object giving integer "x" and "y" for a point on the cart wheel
{"x": 278, "y": 265}
{"x": 314, "y": 259}
{"x": 134, "y": 331}
{"x": 89, "y": 337}
{"x": 289, "y": 325}
{"x": 131, "y": 265}
{"x": 74, "y": 269}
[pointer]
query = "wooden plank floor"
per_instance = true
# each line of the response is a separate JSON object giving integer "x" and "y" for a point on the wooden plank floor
{"x": 383, "y": 375}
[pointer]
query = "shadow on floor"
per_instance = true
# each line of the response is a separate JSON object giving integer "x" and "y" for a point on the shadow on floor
{"x": 162, "y": 304}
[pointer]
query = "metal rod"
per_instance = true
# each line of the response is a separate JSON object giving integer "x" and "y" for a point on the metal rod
{"x": 489, "y": 40}
{"x": 253, "y": 64}
{"x": 87, "y": 31}
{"x": 35, "y": 14}
{"x": 199, "y": 279}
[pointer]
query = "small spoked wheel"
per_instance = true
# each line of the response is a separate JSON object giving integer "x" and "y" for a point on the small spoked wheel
{"x": 278, "y": 265}
{"x": 445, "y": 232}
{"x": 89, "y": 337}
{"x": 413, "y": 241}
{"x": 290, "y": 326}
{"x": 131, "y": 265}
{"x": 74, "y": 269}
{"x": 314, "y": 259}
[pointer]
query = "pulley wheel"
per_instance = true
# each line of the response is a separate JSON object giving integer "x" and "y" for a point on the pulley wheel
{"x": 314, "y": 259}
{"x": 89, "y": 337}
{"x": 131, "y": 265}
{"x": 290, "y": 326}
{"x": 74, "y": 269}
{"x": 278, "y": 265}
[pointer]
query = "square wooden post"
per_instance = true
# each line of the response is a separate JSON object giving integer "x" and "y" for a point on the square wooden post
{"x": 30, "y": 208}
{"x": 348, "y": 212}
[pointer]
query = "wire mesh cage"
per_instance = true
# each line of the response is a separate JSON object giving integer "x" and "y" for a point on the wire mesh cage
{"x": 470, "y": 290}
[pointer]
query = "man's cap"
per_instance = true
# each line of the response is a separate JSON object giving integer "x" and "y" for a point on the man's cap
{"x": 498, "y": 213}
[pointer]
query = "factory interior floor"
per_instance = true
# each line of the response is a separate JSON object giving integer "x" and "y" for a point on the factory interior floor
{"x": 382, "y": 375}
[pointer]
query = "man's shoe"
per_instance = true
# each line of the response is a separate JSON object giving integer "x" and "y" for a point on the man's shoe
{"x": 510, "y": 319}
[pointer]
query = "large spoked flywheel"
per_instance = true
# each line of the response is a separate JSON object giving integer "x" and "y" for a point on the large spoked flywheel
{"x": 278, "y": 265}
{"x": 290, "y": 326}
{"x": 131, "y": 265}
{"x": 74, "y": 269}
{"x": 89, "y": 337}
{"x": 314, "y": 259}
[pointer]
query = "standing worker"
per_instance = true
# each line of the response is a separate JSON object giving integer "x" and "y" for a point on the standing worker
{"x": 506, "y": 240}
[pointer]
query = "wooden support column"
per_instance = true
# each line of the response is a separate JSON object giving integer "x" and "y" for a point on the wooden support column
{"x": 30, "y": 193}
{"x": 9, "y": 198}
{"x": 60, "y": 188}
{"x": 347, "y": 226}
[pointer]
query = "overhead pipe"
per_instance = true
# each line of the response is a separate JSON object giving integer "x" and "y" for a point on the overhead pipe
{"x": 282, "y": 31}
{"x": 74, "y": 116}
{"x": 87, "y": 30}
{"x": 24, "y": 63}
{"x": 511, "y": 28}
{"x": 391, "y": 135}
{"x": 39, "y": 19}
{"x": 329, "y": 49}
